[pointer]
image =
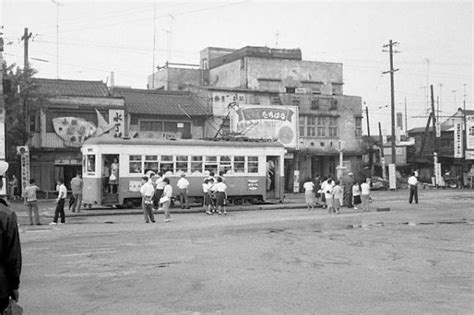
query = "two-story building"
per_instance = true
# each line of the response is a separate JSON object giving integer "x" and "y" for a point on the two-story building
{"x": 281, "y": 78}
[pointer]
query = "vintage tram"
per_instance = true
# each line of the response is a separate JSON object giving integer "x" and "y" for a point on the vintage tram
{"x": 253, "y": 170}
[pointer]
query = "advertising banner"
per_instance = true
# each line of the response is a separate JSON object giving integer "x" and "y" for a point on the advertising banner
{"x": 267, "y": 122}
{"x": 458, "y": 140}
{"x": 392, "y": 176}
{"x": 470, "y": 131}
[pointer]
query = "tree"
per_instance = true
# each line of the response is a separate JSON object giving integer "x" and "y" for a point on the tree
{"x": 18, "y": 89}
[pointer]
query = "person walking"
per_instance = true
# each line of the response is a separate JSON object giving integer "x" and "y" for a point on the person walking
{"x": 147, "y": 191}
{"x": 10, "y": 249}
{"x": 59, "y": 212}
{"x": 221, "y": 195}
{"x": 183, "y": 185}
{"x": 309, "y": 194}
{"x": 413, "y": 183}
{"x": 31, "y": 202}
{"x": 356, "y": 195}
{"x": 76, "y": 186}
{"x": 365, "y": 195}
{"x": 165, "y": 200}
{"x": 338, "y": 197}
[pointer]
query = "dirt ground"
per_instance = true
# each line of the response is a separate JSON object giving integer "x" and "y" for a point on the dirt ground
{"x": 413, "y": 259}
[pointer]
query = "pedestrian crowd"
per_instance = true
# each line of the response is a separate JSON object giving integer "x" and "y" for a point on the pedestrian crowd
{"x": 333, "y": 194}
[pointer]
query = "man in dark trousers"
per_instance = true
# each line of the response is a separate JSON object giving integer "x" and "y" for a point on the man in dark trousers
{"x": 10, "y": 250}
{"x": 413, "y": 183}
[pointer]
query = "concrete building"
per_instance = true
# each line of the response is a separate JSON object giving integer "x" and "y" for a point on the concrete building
{"x": 280, "y": 77}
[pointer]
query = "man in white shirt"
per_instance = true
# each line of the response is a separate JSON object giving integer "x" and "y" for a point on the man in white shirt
{"x": 413, "y": 183}
{"x": 147, "y": 191}
{"x": 183, "y": 185}
{"x": 365, "y": 194}
{"x": 62, "y": 194}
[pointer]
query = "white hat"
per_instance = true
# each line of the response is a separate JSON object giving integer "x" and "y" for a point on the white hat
{"x": 3, "y": 167}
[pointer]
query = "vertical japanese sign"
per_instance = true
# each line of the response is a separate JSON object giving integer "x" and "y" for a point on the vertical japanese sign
{"x": 458, "y": 140}
{"x": 267, "y": 122}
{"x": 117, "y": 118}
{"x": 25, "y": 165}
{"x": 2, "y": 133}
{"x": 392, "y": 176}
{"x": 470, "y": 132}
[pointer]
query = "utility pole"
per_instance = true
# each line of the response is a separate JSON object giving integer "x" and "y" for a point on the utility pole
{"x": 406, "y": 119}
{"x": 382, "y": 157}
{"x": 368, "y": 125}
{"x": 26, "y": 37}
{"x": 392, "y": 88}
{"x": 154, "y": 46}
{"x": 57, "y": 36}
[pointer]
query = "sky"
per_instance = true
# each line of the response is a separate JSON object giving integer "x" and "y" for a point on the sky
{"x": 129, "y": 37}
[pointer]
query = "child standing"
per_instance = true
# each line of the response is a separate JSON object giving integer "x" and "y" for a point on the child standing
{"x": 365, "y": 194}
{"x": 309, "y": 194}
{"x": 206, "y": 190}
{"x": 356, "y": 195}
{"x": 337, "y": 195}
{"x": 221, "y": 195}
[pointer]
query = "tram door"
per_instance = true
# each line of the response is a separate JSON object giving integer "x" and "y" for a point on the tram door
{"x": 273, "y": 177}
{"x": 110, "y": 178}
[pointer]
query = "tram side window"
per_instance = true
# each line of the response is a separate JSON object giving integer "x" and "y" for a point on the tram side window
{"x": 196, "y": 164}
{"x": 225, "y": 165}
{"x": 151, "y": 163}
{"x": 181, "y": 164}
{"x": 90, "y": 162}
{"x": 166, "y": 164}
{"x": 252, "y": 165}
{"x": 210, "y": 164}
{"x": 239, "y": 164}
{"x": 135, "y": 164}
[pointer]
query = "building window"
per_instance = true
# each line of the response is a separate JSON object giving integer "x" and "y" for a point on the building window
{"x": 290, "y": 89}
{"x": 332, "y": 104}
{"x": 315, "y": 104}
{"x": 322, "y": 124}
{"x": 332, "y": 127}
{"x": 32, "y": 123}
{"x": 302, "y": 125}
{"x": 358, "y": 127}
{"x": 311, "y": 126}
{"x": 151, "y": 125}
{"x": 336, "y": 89}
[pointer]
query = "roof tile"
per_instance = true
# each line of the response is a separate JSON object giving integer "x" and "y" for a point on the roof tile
{"x": 70, "y": 87}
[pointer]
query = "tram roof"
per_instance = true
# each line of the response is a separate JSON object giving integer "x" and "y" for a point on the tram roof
{"x": 182, "y": 142}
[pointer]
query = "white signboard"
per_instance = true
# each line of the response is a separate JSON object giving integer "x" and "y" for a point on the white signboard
{"x": 469, "y": 155}
{"x": 458, "y": 143}
{"x": 267, "y": 122}
{"x": 392, "y": 176}
{"x": 438, "y": 129}
{"x": 438, "y": 173}
{"x": 117, "y": 118}
{"x": 470, "y": 131}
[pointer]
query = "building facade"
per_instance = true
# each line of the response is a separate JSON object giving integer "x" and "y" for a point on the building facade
{"x": 70, "y": 112}
{"x": 280, "y": 77}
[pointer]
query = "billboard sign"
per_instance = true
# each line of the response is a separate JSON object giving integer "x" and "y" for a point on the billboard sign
{"x": 267, "y": 122}
{"x": 470, "y": 131}
{"x": 458, "y": 144}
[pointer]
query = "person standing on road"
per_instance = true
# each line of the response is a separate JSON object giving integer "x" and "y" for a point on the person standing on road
{"x": 62, "y": 194}
{"x": 76, "y": 186}
{"x": 159, "y": 185}
{"x": 10, "y": 250}
{"x": 365, "y": 195}
{"x": 14, "y": 187}
{"x": 309, "y": 194}
{"x": 413, "y": 183}
{"x": 338, "y": 197}
{"x": 356, "y": 195}
{"x": 165, "y": 200}
{"x": 221, "y": 195}
{"x": 327, "y": 188}
{"x": 31, "y": 202}
{"x": 147, "y": 191}
{"x": 207, "y": 201}
{"x": 183, "y": 185}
